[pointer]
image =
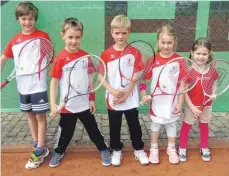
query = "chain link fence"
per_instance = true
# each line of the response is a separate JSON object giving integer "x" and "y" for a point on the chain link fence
{"x": 184, "y": 23}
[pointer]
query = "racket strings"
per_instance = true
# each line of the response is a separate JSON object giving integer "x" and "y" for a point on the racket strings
{"x": 91, "y": 78}
{"x": 218, "y": 76}
{"x": 142, "y": 60}
{"x": 176, "y": 72}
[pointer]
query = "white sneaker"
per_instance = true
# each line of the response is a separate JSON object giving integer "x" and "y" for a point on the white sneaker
{"x": 154, "y": 156}
{"x": 141, "y": 156}
{"x": 205, "y": 154}
{"x": 182, "y": 155}
{"x": 116, "y": 158}
{"x": 173, "y": 157}
{"x": 35, "y": 161}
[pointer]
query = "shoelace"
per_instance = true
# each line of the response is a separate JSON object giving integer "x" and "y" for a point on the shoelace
{"x": 154, "y": 150}
{"x": 206, "y": 151}
{"x": 106, "y": 155}
{"x": 56, "y": 156}
{"x": 141, "y": 153}
{"x": 172, "y": 151}
{"x": 182, "y": 152}
{"x": 116, "y": 155}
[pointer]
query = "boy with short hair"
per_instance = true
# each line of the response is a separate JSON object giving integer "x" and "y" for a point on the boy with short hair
{"x": 32, "y": 88}
{"x": 79, "y": 107}
{"x": 120, "y": 101}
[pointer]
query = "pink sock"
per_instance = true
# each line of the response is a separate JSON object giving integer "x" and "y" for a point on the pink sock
{"x": 204, "y": 133}
{"x": 185, "y": 128}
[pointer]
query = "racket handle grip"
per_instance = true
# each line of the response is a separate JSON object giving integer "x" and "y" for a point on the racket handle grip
{"x": 4, "y": 83}
{"x": 148, "y": 98}
{"x": 59, "y": 108}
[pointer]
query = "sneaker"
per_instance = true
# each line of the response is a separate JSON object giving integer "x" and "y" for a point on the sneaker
{"x": 173, "y": 157}
{"x": 116, "y": 158}
{"x": 205, "y": 154}
{"x": 141, "y": 156}
{"x": 106, "y": 157}
{"x": 182, "y": 155}
{"x": 154, "y": 156}
{"x": 55, "y": 159}
{"x": 36, "y": 160}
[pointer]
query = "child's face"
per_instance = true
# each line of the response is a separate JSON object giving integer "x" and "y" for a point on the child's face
{"x": 27, "y": 23}
{"x": 166, "y": 44}
{"x": 201, "y": 55}
{"x": 120, "y": 35}
{"x": 72, "y": 39}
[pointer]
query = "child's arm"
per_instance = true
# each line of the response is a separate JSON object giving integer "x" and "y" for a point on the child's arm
{"x": 128, "y": 90}
{"x": 180, "y": 99}
{"x": 3, "y": 60}
{"x": 92, "y": 106}
{"x": 53, "y": 95}
{"x": 144, "y": 96}
{"x": 117, "y": 93}
{"x": 191, "y": 106}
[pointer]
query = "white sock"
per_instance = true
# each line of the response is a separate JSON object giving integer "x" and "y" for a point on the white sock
{"x": 154, "y": 146}
{"x": 171, "y": 145}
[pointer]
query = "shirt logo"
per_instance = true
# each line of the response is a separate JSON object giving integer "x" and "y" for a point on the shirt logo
{"x": 18, "y": 40}
{"x": 41, "y": 101}
{"x": 130, "y": 62}
{"x": 112, "y": 56}
{"x": 84, "y": 64}
{"x": 157, "y": 63}
{"x": 67, "y": 59}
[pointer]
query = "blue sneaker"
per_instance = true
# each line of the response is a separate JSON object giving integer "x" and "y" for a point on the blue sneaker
{"x": 106, "y": 157}
{"x": 205, "y": 154}
{"x": 55, "y": 160}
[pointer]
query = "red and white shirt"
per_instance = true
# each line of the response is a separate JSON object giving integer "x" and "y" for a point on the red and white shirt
{"x": 130, "y": 64}
{"x": 28, "y": 84}
{"x": 75, "y": 83}
{"x": 162, "y": 107}
{"x": 196, "y": 94}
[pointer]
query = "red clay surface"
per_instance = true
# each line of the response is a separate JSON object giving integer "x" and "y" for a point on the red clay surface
{"x": 89, "y": 164}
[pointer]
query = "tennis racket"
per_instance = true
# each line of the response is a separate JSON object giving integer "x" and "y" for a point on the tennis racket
{"x": 85, "y": 76}
{"x": 135, "y": 61}
{"x": 34, "y": 57}
{"x": 174, "y": 78}
{"x": 214, "y": 80}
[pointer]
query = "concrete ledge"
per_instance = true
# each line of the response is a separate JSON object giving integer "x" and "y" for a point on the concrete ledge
{"x": 193, "y": 144}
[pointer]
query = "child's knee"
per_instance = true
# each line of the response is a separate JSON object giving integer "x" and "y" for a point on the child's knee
{"x": 155, "y": 127}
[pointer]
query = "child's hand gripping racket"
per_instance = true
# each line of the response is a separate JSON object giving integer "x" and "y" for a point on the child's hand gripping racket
{"x": 34, "y": 57}
{"x": 134, "y": 62}
{"x": 214, "y": 81}
{"x": 85, "y": 76}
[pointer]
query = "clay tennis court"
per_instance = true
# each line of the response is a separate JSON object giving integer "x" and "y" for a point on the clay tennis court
{"x": 89, "y": 164}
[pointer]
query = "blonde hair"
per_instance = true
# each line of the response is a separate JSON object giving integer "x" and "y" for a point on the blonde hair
{"x": 169, "y": 30}
{"x": 26, "y": 8}
{"x": 72, "y": 23}
{"x": 120, "y": 21}
{"x": 202, "y": 42}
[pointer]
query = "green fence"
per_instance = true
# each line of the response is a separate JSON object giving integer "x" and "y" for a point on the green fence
{"x": 191, "y": 19}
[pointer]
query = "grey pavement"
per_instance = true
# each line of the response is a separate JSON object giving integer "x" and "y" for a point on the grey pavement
{"x": 15, "y": 129}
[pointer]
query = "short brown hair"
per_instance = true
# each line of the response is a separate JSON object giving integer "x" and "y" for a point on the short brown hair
{"x": 72, "y": 23}
{"x": 120, "y": 21}
{"x": 26, "y": 8}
